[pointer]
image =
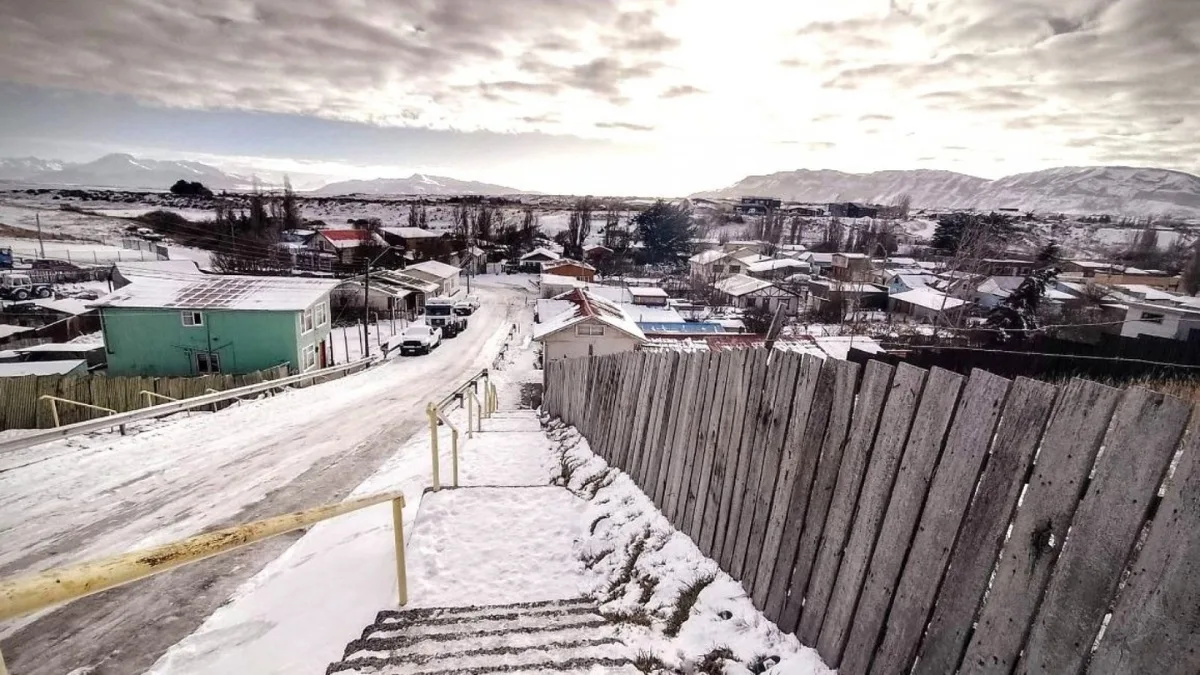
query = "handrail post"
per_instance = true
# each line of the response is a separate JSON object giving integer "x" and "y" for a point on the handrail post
{"x": 54, "y": 411}
{"x": 401, "y": 564}
{"x": 454, "y": 453}
{"x": 470, "y": 417}
{"x": 431, "y": 410}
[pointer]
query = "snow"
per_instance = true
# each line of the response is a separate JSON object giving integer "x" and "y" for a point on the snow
{"x": 23, "y": 368}
{"x": 220, "y": 292}
{"x": 7, "y": 330}
{"x": 738, "y": 285}
{"x": 437, "y": 269}
{"x": 589, "y": 306}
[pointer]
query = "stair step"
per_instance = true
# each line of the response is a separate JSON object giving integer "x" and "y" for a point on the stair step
{"x": 584, "y": 659}
{"x": 481, "y": 613}
{"x": 481, "y": 626}
{"x": 466, "y": 642}
{"x": 483, "y": 610}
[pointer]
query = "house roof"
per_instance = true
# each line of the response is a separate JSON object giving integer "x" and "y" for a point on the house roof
{"x": 413, "y": 233}
{"x": 24, "y": 368}
{"x": 707, "y": 257}
{"x": 403, "y": 281}
{"x": 158, "y": 268}
{"x": 916, "y": 280}
{"x": 1147, "y": 292}
{"x": 852, "y": 256}
{"x": 266, "y": 294}
{"x": 588, "y": 306}
{"x": 644, "y": 292}
{"x": 544, "y": 252}
{"x": 821, "y": 258}
{"x": 772, "y": 265}
{"x": 738, "y": 285}
{"x": 61, "y": 348}
{"x": 6, "y": 330}
{"x": 684, "y": 328}
{"x": 348, "y": 238}
{"x": 929, "y": 299}
{"x": 432, "y": 267}
{"x": 554, "y": 264}
{"x": 644, "y": 314}
{"x": 72, "y": 306}
{"x": 750, "y": 257}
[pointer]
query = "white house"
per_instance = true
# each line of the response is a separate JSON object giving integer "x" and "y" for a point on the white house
{"x": 445, "y": 276}
{"x": 744, "y": 291}
{"x": 592, "y": 326}
{"x": 1176, "y": 323}
{"x": 714, "y": 263}
{"x": 778, "y": 269}
{"x": 924, "y": 304}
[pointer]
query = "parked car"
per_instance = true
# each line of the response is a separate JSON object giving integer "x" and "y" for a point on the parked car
{"x": 420, "y": 339}
{"x": 467, "y": 305}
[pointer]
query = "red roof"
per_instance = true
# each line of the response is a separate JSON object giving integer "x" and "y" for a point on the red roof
{"x": 347, "y": 235}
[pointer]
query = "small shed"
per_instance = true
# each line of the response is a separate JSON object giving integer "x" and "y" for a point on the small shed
{"x": 656, "y": 297}
{"x": 446, "y": 277}
{"x": 592, "y": 326}
{"x": 745, "y": 291}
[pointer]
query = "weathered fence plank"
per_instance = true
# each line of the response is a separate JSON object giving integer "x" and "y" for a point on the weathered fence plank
{"x": 724, "y": 460}
{"x": 689, "y": 492}
{"x": 868, "y": 409}
{"x": 807, "y": 457}
{"x": 1155, "y": 627}
{"x": 949, "y": 496}
{"x": 637, "y": 449}
{"x": 982, "y": 533}
{"x": 894, "y": 428}
{"x": 707, "y": 463}
{"x": 683, "y": 450}
{"x": 845, "y": 378}
{"x": 1060, "y": 470}
{"x": 753, "y": 380}
{"x": 1145, "y": 433}
{"x": 673, "y": 451}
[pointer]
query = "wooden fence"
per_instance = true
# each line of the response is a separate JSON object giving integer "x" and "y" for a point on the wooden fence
{"x": 21, "y": 407}
{"x": 918, "y": 520}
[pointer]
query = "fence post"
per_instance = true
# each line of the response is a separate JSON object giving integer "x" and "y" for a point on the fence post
{"x": 401, "y": 565}
{"x": 431, "y": 410}
{"x": 470, "y": 417}
{"x": 54, "y": 411}
{"x": 454, "y": 453}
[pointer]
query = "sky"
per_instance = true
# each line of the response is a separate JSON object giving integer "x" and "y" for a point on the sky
{"x": 623, "y": 97}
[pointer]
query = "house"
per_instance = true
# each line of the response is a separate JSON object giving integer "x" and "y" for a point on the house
{"x": 924, "y": 304}
{"x": 570, "y": 268}
{"x": 1008, "y": 267}
{"x": 592, "y": 326}
{"x": 540, "y": 255}
{"x": 417, "y": 242}
{"x": 91, "y": 353}
{"x": 853, "y": 210}
{"x": 553, "y": 286}
{"x": 714, "y": 264}
{"x": 597, "y": 254}
{"x": 345, "y": 244}
{"x": 446, "y": 277}
{"x": 10, "y": 333}
{"x": 736, "y": 246}
{"x": 216, "y": 324}
{"x": 902, "y": 282}
{"x": 746, "y": 292}
{"x": 392, "y": 294}
{"x": 648, "y": 296}
{"x": 1164, "y": 321}
{"x": 850, "y": 267}
{"x": 756, "y": 206}
{"x": 773, "y": 269}
{"x": 838, "y": 297}
{"x": 821, "y": 263}
{"x": 994, "y": 290}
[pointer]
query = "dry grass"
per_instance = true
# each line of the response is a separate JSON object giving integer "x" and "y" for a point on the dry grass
{"x": 1185, "y": 388}
{"x": 683, "y": 605}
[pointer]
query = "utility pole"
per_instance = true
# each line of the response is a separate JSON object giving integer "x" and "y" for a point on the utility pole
{"x": 41, "y": 244}
{"x": 367, "y": 310}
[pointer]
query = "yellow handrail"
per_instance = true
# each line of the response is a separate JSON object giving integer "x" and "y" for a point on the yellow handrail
{"x": 150, "y": 394}
{"x": 54, "y": 400}
{"x": 29, "y": 594}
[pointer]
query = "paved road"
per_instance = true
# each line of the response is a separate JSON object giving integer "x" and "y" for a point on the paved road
{"x": 90, "y": 496}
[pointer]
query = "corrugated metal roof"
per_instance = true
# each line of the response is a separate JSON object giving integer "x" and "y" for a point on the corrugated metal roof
{"x": 24, "y": 368}
{"x": 220, "y": 292}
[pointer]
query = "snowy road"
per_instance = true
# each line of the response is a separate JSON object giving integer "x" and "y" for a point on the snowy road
{"x": 90, "y": 496}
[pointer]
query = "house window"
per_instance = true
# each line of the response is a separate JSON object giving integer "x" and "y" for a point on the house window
{"x": 308, "y": 320}
{"x": 192, "y": 318}
{"x": 734, "y": 269}
{"x": 208, "y": 362}
{"x": 1152, "y": 318}
{"x": 718, "y": 269}
{"x": 589, "y": 329}
{"x": 322, "y": 314}
{"x": 310, "y": 357}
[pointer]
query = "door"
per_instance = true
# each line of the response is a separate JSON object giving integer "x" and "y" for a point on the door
{"x": 322, "y": 357}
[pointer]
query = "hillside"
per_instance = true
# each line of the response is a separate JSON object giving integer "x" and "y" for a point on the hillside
{"x": 127, "y": 171}
{"x": 19, "y": 168}
{"x": 416, "y": 184}
{"x": 1077, "y": 190}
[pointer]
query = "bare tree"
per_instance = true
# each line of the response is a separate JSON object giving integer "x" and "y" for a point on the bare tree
{"x": 579, "y": 226}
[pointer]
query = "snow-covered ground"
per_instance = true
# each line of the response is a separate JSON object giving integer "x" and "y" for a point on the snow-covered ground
{"x": 102, "y": 494}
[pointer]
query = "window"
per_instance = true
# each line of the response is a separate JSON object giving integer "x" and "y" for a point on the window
{"x": 192, "y": 318}
{"x": 322, "y": 314}
{"x": 734, "y": 269}
{"x": 718, "y": 269}
{"x": 1151, "y": 318}
{"x": 208, "y": 362}
{"x": 589, "y": 329}
{"x": 308, "y": 320}
{"x": 310, "y": 357}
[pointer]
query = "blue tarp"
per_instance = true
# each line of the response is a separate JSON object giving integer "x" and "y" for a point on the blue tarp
{"x": 686, "y": 328}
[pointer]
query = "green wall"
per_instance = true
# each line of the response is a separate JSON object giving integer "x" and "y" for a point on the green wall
{"x": 154, "y": 342}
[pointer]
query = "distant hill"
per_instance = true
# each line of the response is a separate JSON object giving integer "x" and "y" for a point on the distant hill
{"x": 20, "y": 168}
{"x": 1076, "y": 190}
{"x": 416, "y": 184}
{"x": 129, "y": 172}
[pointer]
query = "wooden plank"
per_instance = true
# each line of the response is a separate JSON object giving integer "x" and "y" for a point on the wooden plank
{"x": 1155, "y": 626}
{"x": 868, "y": 409}
{"x": 982, "y": 532}
{"x": 659, "y": 465}
{"x": 670, "y": 479}
{"x": 733, "y": 450}
{"x": 894, "y": 426}
{"x": 1060, "y": 471}
{"x": 807, "y": 450}
{"x": 845, "y": 376}
{"x": 642, "y": 423}
{"x": 624, "y": 447}
{"x": 949, "y": 496}
{"x": 770, "y": 447}
{"x": 755, "y": 386}
{"x": 620, "y": 423}
{"x": 717, "y": 504}
{"x": 702, "y": 483}
{"x": 1145, "y": 434}
{"x": 693, "y": 439}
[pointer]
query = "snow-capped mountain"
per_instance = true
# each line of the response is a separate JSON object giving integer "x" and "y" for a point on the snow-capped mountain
{"x": 129, "y": 172}
{"x": 416, "y": 184}
{"x": 19, "y": 168}
{"x": 1079, "y": 190}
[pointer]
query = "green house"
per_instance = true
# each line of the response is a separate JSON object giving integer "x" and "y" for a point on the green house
{"x": 197, "y": 325}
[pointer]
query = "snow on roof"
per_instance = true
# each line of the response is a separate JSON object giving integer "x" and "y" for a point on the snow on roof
{"x": 644, "y": 314}
{"x": 929, "y": 299}
{"x": 852, "y": 256}
{"x": 738, "y": 285}
{"x": 24, "y": 368}
{"x": 438, "y": 269}
{"x": 685, "y": 328}
{"x": 916, "y": 280}
{"x": 750, "y": 257}
{"x": 278, "y": 294}
{"x": 838, "y": 346}
{"x": 549, "y": 279}
{"x": 1090, "y": 264}
{"x": 644, "y": 292}
{"x": 706, "y": 257}
{"x": 589, "y": 306}
{"x": 72, "y": 306}
{"x": 902, "y": 262}
{"x": 412, "y": 232}
{"x": 1147, "y": 292}
{"x": 551, "y": 308}
{"x": 154, "y": 268}
{"x": 61, "y": 347}
{"x": 822, "y": 258}
{"x": 544, "y": 252}
{"x": 7, "y": 330}
{"x": 348, "y": 238}
{"x": 553, "y": 264}
{"x": 772, "y": 265}
{"x": 402, "y": 280}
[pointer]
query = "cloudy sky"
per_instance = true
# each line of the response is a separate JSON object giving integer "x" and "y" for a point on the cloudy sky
{"x": 605, "y": 96}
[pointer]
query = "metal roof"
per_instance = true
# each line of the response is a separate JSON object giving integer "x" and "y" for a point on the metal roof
{"x": 280, "y": 294}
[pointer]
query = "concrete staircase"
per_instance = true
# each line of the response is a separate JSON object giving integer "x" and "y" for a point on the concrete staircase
{"x": 548, "y": 636}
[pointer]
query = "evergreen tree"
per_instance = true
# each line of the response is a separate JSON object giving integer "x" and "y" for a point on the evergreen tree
{"x": 1191, "y": 273}
{"x": 1019, "y": 310}
{"x": 666, "y": 230}
{"x": 1050, "y": 254}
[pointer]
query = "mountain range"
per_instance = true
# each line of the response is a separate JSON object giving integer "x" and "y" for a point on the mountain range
{"x": 1116, "y": 190}
{"x": 416, "y": 184}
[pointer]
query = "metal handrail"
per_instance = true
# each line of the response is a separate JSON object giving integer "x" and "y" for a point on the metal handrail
{"x": 55, "y": 400}
{"x": 120, "y": 419}
{"x": 29, "y": 594}
{"x": 457, "y": 394}
{"x": 150, "y": 395}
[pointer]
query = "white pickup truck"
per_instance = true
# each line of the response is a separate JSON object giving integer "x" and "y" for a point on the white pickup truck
{"x": 467, "y": 305}
{"x": 420, "y": 339}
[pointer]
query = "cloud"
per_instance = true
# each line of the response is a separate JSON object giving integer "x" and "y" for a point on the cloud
{"x": 628, "y": 126}
{"x": 681, "y": 90}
